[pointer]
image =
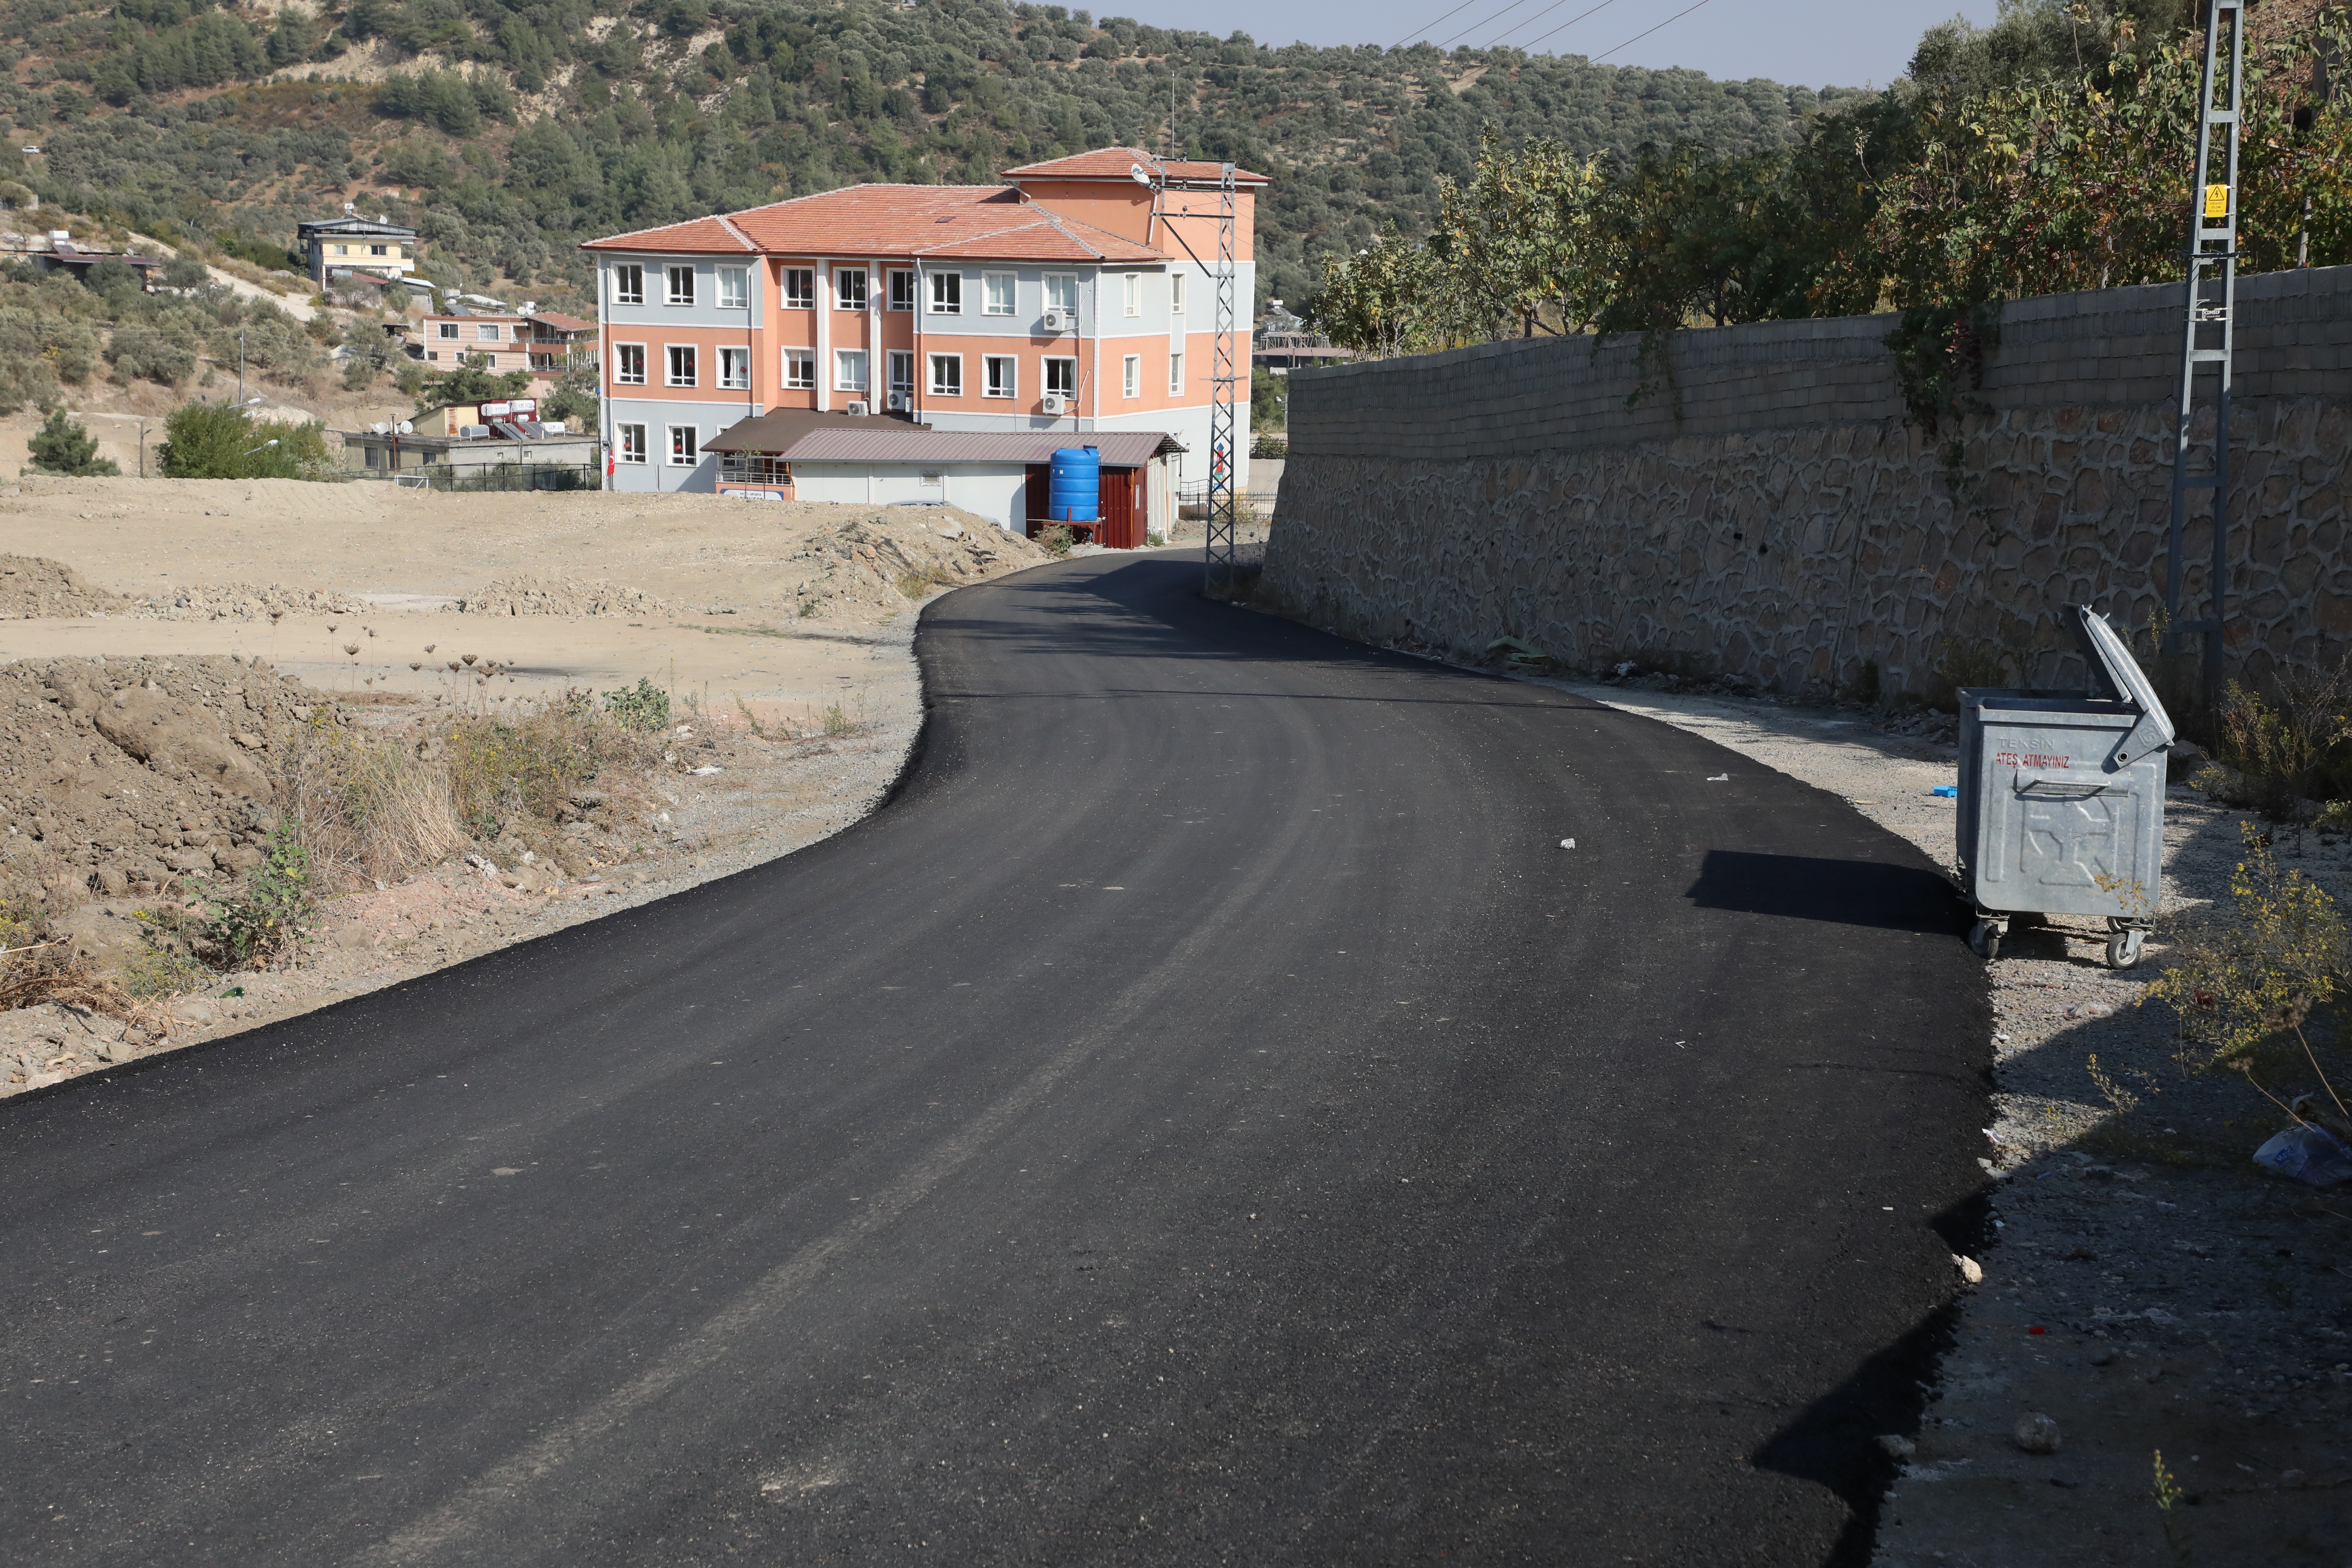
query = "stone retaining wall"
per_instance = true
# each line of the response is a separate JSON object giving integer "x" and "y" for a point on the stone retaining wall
{"x": 1789, "y": 526}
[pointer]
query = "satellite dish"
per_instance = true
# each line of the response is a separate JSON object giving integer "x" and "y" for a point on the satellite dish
{"x": 406, "y": 428}
{"x": 380, "y": 428}
{"x": 1138, "y": 174}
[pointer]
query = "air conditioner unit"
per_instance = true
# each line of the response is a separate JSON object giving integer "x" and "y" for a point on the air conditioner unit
{"x": 1057, "y": 403}
{"x": 859, "y": 407}
{"x": 901, "y": 402}
{"x": 1059, "y": 320}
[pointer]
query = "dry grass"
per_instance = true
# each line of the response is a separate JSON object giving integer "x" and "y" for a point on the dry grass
{"x": 53, "y": 972}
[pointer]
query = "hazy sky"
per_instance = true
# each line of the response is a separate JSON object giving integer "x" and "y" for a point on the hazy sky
{"x": 1815, "y": 42}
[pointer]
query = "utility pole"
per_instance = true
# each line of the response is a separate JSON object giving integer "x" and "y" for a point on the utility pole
{"x": 240, "y": 367}
{"x": 1217, "y": 560}
{"x": 2210, "y": 309}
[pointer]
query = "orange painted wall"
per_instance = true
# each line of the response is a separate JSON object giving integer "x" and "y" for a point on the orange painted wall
{"x": 1125, "y": 209}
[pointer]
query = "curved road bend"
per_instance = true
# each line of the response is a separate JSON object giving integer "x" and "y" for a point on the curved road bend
{"x": 1205, "y": 1117}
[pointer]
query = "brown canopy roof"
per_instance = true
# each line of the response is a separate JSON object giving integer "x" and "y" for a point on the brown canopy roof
{"x": 778, "y": 431}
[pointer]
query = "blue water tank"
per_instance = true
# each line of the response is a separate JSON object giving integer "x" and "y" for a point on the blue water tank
{"x": 1076, "y": 491}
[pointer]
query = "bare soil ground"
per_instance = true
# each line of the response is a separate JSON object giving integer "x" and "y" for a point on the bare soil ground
{"x": 177, "y": 657}
{"x": 2147, "y": 1287}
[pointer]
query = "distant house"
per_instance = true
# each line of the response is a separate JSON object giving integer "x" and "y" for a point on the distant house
{"x": 350, "y": 243}
{"x": 494, "y": 342}
{"x": 559, "y": 342}
{"x": 64, "y": 256}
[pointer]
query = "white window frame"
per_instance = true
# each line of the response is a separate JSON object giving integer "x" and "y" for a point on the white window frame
{"x": 444, "y": 332}
{"x": 1176, "y": 293}
{"x": 898, "y": 360}
{"x": 903, "y": 289}
{"x": 800, "y": 370}
{"x": 1133, "y": 295}
{"x": 735, "y": 369}
{"x": 993, "y": 285}
{"x": 1010, "y": 365}
{"x": 800, "y": 287}
{"x": 487, "y": 332}
{"x": 734, "y": 288}
{"x": 671, "y": 274}
{"x": 670, "y": 377}
{"x": 1062, "y": 291}
{"x": 628, "y": 283}
{"x": 947, "y": 294}
{"x": 621, "y": 354}
{"x": 692, "y": 455}
{"x": 1068, "y": 367}
{"x": 1176, "y": 372}
{"x": 849, "y": 280}
{"x": 379, "y": 251}
{"x": 951, "y": 383}
{"x": 632, "y": 440}
{"x": 1130, "y": 376}
{"x": 846, "y": 360}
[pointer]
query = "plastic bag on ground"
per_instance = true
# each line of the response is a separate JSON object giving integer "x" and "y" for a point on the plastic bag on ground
{"x": 2307, "y": 1153}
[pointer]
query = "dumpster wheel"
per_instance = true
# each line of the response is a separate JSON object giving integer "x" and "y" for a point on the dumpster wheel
{"x": 1984, "y": 938}
{"x": 2123, "y": 943}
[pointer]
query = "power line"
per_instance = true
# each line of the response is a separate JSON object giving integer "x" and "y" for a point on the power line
{"x": 1432, "y": 28}
{"x": 1564, "y": 27}
{"x": 1480, "y": 27}
{"x": 1639, "y": 37}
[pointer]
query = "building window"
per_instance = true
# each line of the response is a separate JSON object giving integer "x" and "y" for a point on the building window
{"x": 902, "y": 290}
{"x": 849, "y": 368}
{"x": 431, "y": 354}
{"x": 734, "y": 288}
{"x": 681, "y": 365}
{"x": 999, "y": 376}
{"x": 947, "y": 293}
{"x": 947, "y": 375}
{"x": 999, "y": 289}
{"x": 1062, "y": 376}
{"x": 1176, "y": 375}
{"x": 800, "y": 369}
{"x": 1062, "y": 291}
{"x": 346, "y": 250}
{"x": 1130, "y": 381}
{"x": 685, "y": 447}
{"x": 488, "y": 333}
{"x": 373, "y": 452}
{"x": 800, "y": 287}
{"x": 444, "y": 328}
{"x": 735, "y": 368}
{"x": 629, "y": 284}
{"x": 1176, "y": 293}
{"x": 632, "y": 442}
{"x": 379, "y": 251}
{"x": 902, "y": 370}
{"x": 1134, "y": 294}
{"x": 849, "y": 289}
{"x": 629, "y": 363}
{"x": 680, "y": 288}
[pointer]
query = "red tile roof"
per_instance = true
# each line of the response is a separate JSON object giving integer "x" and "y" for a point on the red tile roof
{"x": 701, "y": 235}
{"x": 561, "y": 323}
{"x": 989, "y": 222}
{"x": 966, "y": 222}
{"x": 1113, "y": 164}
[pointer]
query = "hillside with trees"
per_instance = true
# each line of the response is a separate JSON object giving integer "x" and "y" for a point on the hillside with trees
{"x": 509, "y": 133}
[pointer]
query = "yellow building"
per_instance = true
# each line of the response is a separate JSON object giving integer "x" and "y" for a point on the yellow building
{"x": 355, "y": 244}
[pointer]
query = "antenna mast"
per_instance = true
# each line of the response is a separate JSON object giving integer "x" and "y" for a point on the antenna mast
{"x": 1218, "y": 556}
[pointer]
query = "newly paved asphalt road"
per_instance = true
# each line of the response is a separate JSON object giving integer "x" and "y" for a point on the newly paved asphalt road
{"x": 1205, "y": 1117}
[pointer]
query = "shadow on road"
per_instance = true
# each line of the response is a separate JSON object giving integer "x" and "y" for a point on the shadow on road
{"x": 1844, "y": 892}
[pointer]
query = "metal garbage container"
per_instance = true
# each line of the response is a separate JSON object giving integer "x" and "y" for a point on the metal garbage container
{"x": 2061, "y": 799}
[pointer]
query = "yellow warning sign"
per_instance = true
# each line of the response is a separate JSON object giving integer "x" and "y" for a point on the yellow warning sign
{"x": 2216, "y": 201}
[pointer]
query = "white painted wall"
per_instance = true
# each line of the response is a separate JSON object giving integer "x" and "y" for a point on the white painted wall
{"x": 997, "y": 491}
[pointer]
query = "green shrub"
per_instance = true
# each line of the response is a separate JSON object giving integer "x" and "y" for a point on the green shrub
{"x": 270, "y": 916}
{"x": 221, "y": 441}
{"x": 644, "y": 707}
{"x": 62, "y": 446}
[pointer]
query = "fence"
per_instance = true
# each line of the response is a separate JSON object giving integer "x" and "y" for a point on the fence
{"x": 468, "y": 478}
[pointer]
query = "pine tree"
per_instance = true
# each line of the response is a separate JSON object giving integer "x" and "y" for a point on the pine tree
{"x": 62, "y": 446}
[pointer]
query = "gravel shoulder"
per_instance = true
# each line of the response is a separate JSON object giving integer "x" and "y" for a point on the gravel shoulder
{"x": 2146, "y": 1287}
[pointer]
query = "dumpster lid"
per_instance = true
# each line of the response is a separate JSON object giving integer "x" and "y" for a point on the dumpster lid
{"x": 2113, "y": 667}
